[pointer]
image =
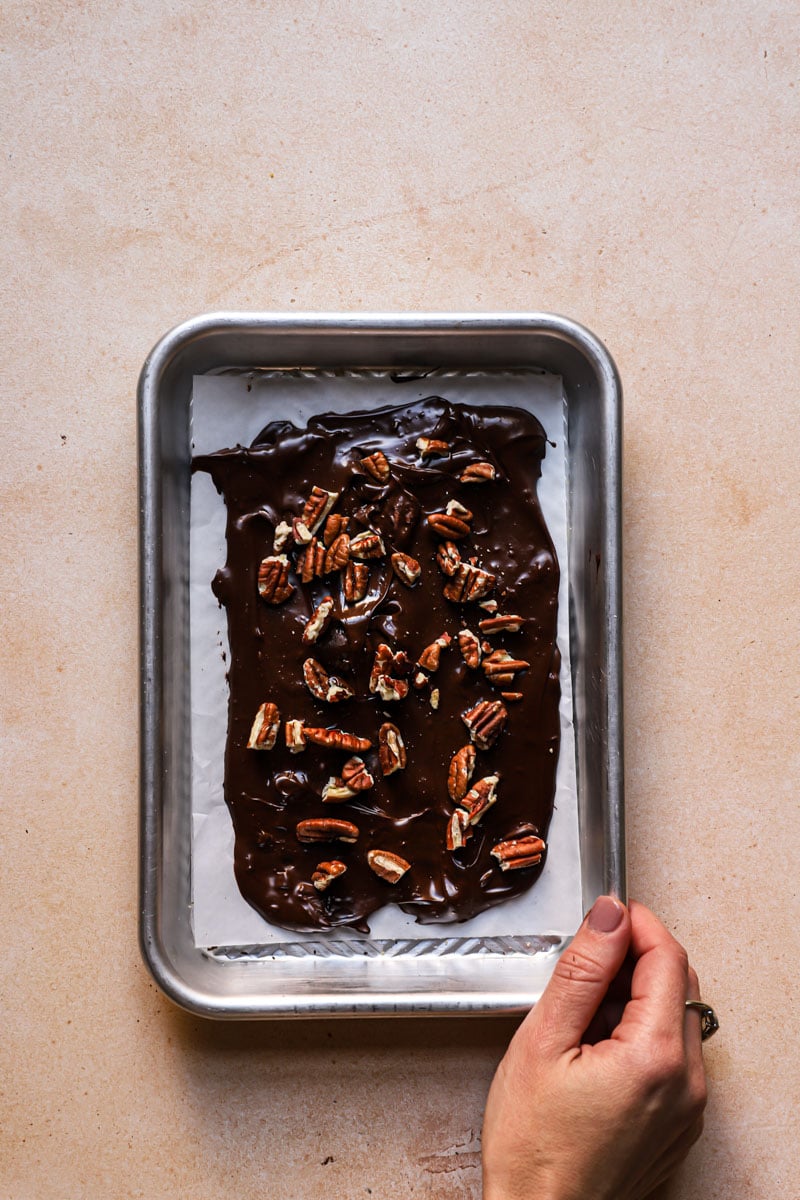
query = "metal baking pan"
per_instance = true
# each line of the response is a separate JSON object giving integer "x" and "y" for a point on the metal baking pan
{"x": 495, "y": 980}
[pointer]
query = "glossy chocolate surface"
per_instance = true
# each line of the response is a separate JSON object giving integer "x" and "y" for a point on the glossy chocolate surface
{"x": 269, "y": 792}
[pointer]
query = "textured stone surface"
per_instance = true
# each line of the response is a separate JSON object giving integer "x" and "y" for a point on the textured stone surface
{"x": 634, "y": 167}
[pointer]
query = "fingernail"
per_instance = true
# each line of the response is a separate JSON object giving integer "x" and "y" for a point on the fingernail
{"x": 605, "y": 915}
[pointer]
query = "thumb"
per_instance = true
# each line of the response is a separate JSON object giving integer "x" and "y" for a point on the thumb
{"x": 582, "y": 977}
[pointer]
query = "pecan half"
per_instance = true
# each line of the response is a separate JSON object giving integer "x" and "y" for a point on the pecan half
{"x": 264, "y": 732}
{"x": 319, "y": 621}
{"x": 387, "y": 865}
{"x": 448, "y": 558}
{"x": 470, "y": 647}
{"x": 432, "y": 447}
{"x": 326, "y": 872}
{"x": 283, "y": 531}
{"x": 377, "y": 465}
{"x": 451, "y": 525}
{"x": 273, "y": 579}
{"x": 368, "y": 544}
{"x": 391, "y": 749}
{"x": 336, "y": 790}
{"x": 356, "y": 582}
{"x": 517, "y": 853}
{"x": 311, "y": 561}
{"x": 485, "y": 721}
{"x": 500, "y": 668}
{"x": 317, "y": 507}
{"x": 295, "y": 736}
{"x": 480, "y": 797}
{"x": 337, "y": 555}
{"x": 406, "y": 568}
{"x": 458, "y": 830}
{"x": 510, "y": 623}
{"x": 431, "y": 655}
{"x": 337, "y": 739}
{"x": 355, "y": 774}
{"x": 462, "y": 765}
{"x": 322, "y": 685}
{"x": 335, "y": 525}
{"x": 326, "y": 829}
{"x": 479, "y": 472}
{"x": 469, "y": 583}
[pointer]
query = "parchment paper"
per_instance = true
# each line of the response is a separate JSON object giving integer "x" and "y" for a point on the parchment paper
{"x": 232, "y": 409}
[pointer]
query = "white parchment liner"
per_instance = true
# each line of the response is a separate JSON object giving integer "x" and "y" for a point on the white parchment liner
{"x": 231, "y": 409}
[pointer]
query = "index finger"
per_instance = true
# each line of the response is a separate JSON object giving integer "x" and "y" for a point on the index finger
{"x": 659, "y": 982}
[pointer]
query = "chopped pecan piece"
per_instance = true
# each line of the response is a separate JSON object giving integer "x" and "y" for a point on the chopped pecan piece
{"x": 458, "y": 830}
{"x": 355, "y": 774}
{"x": 488, "y": 605}
{"x": 300, "y": 532}
{"x": 295, "y": 736}
{"x": 273, "y": 579}
{"x": 381, "y": 666}
{"x": 432, "y": 447}
{"x": 368, "y": 544}
{"x": 322, "y": 685}
{"x": 500, "y": 668}
{"x": 421, "y": 680}
{"x": 480, "y": 797}
{"x": 511, "y": 697}
{"x": 264, "y": 733}
{"x": 434, "y": 699}
{"x": 469, "y": 583}
{"x": 406, "y": 568}
{"x": 485, "y": 721}
{"x": 356, "y": 582}
{"x": 448, "y": 558}
{"x": 462, "y": 765}
{"x": 319, "y": 621}
{"x": 317, "y": 507}
{"x": 337, "y": 555}
{"x": 470, "y": 647}
{"x": 311, "y": 561}
{"x": 377, "y": 465}
{"x": 431, "y": 655}
{"x": 326, "y": 872}
{"x": 387, "y": 865}
{"x": 336, "y": 790}
{"x": 391, "y": 749}
{"x": 389, "y": 688}
{"x": 509, "y": 623}
{"x": 337, "y": 739}
{"x": 479, "y": 472}
{"x": 517, "y": 853}
{"x": 334, "y": 527}
{"x": 283, "y": 531}
{"x": 326, "y": 829}
{"x": 386, "y": 666}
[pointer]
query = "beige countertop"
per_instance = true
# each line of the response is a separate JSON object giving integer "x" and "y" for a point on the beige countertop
{"x": 631, "y": 166}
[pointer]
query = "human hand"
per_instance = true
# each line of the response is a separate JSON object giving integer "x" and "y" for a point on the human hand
{"x": 598, "y": 1098}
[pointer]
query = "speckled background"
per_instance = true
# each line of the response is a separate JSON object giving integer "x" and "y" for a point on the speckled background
{"x": 632, "y": 166}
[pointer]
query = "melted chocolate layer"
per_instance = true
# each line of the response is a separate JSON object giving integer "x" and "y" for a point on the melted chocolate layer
{"x": 269, "y": 792}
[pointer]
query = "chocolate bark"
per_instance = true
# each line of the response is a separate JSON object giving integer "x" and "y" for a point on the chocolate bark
{"x": 407, "y": 813}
